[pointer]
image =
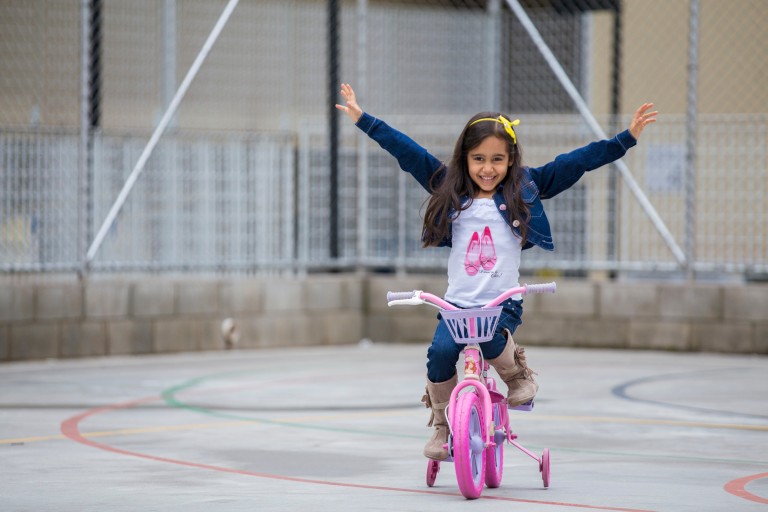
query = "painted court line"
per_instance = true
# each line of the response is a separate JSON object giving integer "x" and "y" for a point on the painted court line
{"x": 71, "y": 429}
{"x": 738, "y": 488}
{"x": 130, "y": 431}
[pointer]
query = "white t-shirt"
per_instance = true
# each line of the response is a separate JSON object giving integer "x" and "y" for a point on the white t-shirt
{"x": 485, "y": 256}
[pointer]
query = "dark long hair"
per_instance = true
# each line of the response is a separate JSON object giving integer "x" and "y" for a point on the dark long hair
{"x": 452, "y": 183}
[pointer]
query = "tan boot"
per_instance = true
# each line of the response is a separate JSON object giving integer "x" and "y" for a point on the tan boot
{"x": 436, "y": 398}
{"x": 513, "y": 370}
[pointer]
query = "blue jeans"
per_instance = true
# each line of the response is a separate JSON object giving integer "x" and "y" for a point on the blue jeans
{"x": 443, "y": 354}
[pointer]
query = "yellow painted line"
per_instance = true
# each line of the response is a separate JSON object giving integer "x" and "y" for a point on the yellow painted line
{"x": 375, "y": 414}
{"x": 193, "y": 426}
{"x": 129, "y": 431}
{"x": 22, "y": 440}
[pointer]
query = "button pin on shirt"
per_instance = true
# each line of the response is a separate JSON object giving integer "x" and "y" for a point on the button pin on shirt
{"x": 515, "y": 223}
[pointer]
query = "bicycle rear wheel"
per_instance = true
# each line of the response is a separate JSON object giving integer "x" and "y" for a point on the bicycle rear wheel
{"x": 494, "y": 464}
{"x": 469, "y": 445}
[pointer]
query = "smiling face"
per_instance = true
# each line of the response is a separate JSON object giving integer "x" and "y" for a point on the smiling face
{"x": 488, "y": 163}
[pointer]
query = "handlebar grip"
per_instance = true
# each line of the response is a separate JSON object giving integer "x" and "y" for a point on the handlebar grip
{"x": 399, "y": 296}
{"x": 540, "y": 288}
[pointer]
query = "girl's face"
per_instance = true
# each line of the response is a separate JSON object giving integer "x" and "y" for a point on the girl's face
{"x": 488, "y": 163}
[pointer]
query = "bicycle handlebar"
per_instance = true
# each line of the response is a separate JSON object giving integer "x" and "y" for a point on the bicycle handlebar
{"x": 540, "y": 288}
{"x": 400, "y": 295}
{"x": 416, "y": 297}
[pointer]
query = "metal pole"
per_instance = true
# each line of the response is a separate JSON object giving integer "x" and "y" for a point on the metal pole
{"x": 333, "y": 124}
{"x": 170, "y": 246}
{"x": 492, "y": 59}
{"x": 94, "y": 90}
{"x": 362, "y": 139}
{"x": 162, "y": 125}
{"x": 583, "y": 109}
{"x": 94, "y": 106}
{"x": 614, "y": 190}
{"x": 82, "y": 152}
{"x": 169, "y": 53}
{"x": 690, "y": 142}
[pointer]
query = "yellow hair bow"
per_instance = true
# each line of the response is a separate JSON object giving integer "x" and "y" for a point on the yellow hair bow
{"x": 508, "y": 125}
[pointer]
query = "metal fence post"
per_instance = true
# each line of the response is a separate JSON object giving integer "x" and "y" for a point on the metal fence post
{"x": 333, "y": 124}
{"x": 614, "y": 186}
{"x": 690, "y": 140}
{"x": 169, "y": 55}
{"x": 362, "y": 139}
{"x": 83, "y": 145}
{"x": 493, "y": 61}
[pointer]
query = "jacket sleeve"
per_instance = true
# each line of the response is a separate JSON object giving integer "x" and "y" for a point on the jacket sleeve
{"x": 565, "y": 170}
{"x": 412, "y": 158}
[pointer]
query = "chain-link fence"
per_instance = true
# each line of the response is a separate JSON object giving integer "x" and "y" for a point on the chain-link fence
{"x": 241, "y": 178}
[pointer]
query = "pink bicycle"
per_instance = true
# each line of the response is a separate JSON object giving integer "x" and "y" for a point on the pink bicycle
{"x": 478, "y": 418}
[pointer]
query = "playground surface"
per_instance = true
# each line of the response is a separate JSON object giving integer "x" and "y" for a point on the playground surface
{"x": 341, "y": 428}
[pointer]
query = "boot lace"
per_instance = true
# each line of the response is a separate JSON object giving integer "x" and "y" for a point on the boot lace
{"x": 428, "y": 404}
{"x": 527, "y": 373}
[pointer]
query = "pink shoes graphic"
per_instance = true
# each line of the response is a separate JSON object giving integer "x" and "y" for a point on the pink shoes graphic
{"x": 472, "y": 258}
{"x": 487, "y": 250}
{"x": 480, "y": 253}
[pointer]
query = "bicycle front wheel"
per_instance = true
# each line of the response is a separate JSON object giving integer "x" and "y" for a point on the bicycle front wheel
{"x": 469, "y": 445}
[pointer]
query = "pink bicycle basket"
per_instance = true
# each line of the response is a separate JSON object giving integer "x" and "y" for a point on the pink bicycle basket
{"x": 472, "y": 325}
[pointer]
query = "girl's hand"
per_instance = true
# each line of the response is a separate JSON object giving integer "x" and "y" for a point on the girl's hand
{"x": 641, "y": 119}
{"x": 352, "y": 109}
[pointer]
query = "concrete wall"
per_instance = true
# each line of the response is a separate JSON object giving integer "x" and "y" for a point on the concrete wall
{"x": 605, "y": 314}
{"x": 155, "y": 315}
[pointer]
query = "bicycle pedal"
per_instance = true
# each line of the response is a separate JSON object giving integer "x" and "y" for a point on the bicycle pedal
{"x": 527, "y": 406}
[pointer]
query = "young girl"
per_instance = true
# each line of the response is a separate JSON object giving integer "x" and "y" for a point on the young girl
{"x": 486, "y": 206}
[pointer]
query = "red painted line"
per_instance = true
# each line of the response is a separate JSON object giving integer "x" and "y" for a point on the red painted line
{"x": 738, "y": 488}
{"x": 71, "y": 429}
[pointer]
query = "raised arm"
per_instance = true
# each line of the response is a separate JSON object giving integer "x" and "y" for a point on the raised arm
{"x": 565, "y": 170}
{"x": 411, "y": 157}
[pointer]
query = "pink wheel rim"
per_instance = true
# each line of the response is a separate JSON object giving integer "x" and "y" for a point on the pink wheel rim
{"x": 433, "y": 468}
{"x": 545, "y": 467}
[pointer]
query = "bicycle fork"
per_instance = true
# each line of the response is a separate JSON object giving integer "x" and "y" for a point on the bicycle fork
{"x": 473, "y": 363}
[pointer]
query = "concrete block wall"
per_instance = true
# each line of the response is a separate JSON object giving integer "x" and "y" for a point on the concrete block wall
{"x": 605, "y": 314}
{"x": 110, "y": 316}
{"x": 105, "y": 317}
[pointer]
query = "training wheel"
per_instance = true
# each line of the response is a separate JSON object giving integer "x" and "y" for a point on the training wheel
{"x": 544, "y": 467}
{"x": 433, "y": 468}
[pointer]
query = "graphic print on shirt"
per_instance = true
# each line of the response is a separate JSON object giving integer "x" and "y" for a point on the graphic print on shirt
{"x": 481, "y": 253}
{"x": 487, "y": 250}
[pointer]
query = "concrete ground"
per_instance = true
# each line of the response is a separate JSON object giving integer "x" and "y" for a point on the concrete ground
{"x": 342, "y": 429}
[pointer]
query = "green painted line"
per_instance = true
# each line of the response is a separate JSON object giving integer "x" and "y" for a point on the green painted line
{"x": 169, "y": 396}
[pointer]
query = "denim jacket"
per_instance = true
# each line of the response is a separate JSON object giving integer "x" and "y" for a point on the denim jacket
{"x": 538, "y": 182}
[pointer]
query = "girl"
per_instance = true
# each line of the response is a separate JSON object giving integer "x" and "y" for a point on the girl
{"x": 486, "y": 206}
